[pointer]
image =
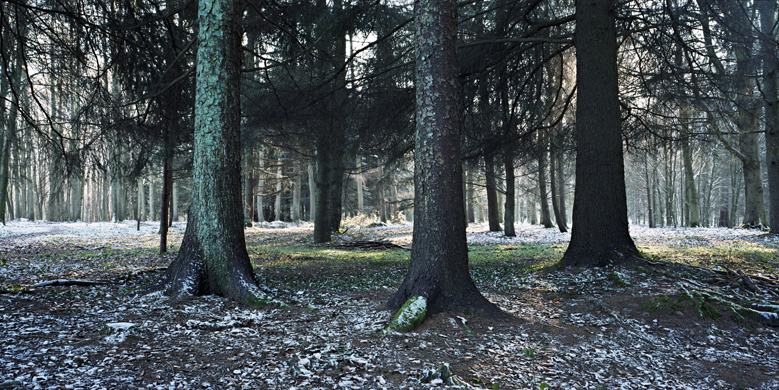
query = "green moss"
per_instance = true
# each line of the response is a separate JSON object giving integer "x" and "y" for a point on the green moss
{"x": 409, "y": 316}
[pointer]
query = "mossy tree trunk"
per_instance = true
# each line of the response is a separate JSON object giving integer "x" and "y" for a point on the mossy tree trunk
{"x": 439, "y": 256}
{"x": 600, "y": 234}
{"x": 213, "y": 257}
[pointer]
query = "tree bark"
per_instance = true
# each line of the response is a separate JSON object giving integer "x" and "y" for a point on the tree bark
{"x": 690, "y": 189}
{"x": 508, "y": 214}
{"x": 546, "y": 218}
{"x": 770, "y": 104}
{"x": 600, "y": 225}
{"x": 213, "y": 257}
{"x": 295, "y": 213}
{"x": 311, "y": 192}
{"x": 167, "y": 179}
{"x": 492, "y": 193}
{"x": 439, "y": 257}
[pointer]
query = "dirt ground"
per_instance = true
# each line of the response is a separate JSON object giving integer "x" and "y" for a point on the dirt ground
{"x": 642, "y": 326}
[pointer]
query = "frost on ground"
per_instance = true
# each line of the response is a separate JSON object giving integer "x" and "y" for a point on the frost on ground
{"x": 621, "y": 328}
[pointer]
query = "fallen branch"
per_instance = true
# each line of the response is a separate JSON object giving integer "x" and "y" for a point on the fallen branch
{"x": 364, "y": 245}
{"x": 67, "y": 282}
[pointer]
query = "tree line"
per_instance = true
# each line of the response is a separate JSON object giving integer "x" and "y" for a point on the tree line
{"x": 102, "y": 97}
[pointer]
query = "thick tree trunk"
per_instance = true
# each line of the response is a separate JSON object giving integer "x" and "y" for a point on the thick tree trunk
{"x": 492, "y": 193}
{"x": 213, "y": 257}
{"x": 439, "y": 257}
{"x": 770, "y": 104}
{"x": 600, "y": 225}
{"x": 508, "y": 214}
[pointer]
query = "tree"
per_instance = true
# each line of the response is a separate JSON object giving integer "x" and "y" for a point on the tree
{"x": 439, "y": 256}
{"x": 213, "y": 257}
{"x": 600, "y": 234}
{"x": 770, "y": 65}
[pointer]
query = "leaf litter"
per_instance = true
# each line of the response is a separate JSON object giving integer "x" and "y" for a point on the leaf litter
{"x": 659, "y": 325}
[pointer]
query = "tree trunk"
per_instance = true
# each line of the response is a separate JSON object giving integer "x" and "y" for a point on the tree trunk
{"x": 167, "y": 179}
{"x": 279, "y": 188}
{"x": 600, "y": 225}
{"x": 690, "y": 190}
{"x": 770, "y": 66}
{"x": 492, "y": 193}
{"x": 295, "y": 214}
{"x": 561, "y": 189}
{"x": 470, "y": 193}
{"x": 555, "y": 196}
{"x": 213, "y": 257}
{"x": 322, "y": 212}
{"x": 649, "y": 200}
{"x": 250, "y": 180}
{"x": 439, "y": 257}
{"x": 141, "y": 202}
{"x": 508, "y": 214}
{"x": 358, "y": 181}
{"x": 311, "y": 192}
{"x": 152, "y": 212}
{"x": 532, "y": 207}
{"x": 546, "y": 218}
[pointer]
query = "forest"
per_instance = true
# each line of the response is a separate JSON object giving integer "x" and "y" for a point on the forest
{"x": 389, "y": 194}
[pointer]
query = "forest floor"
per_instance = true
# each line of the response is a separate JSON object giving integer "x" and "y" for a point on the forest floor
{"x": 680, "y": 320}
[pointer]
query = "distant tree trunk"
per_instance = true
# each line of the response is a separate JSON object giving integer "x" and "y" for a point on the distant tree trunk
{"x": 167, "y": 181}
{"x": 532, "y": 207}
{"x": 546, "y": 218}
{"x": 141, "y": 202}
{"x": 561, "y": 190}
{"x": 439, "y": 257}
{"x": 555, "y": 198}
{"x": 358, "y": 181}
{"x": 649, "y": 200}
{"x": 770, "y": 66}
{"x": 279, "y": 189}
{"x": 600, "y": 225}
{"x": 690, "y": 190}
{"x": 469, "y": 193}
{"x": 508, "y": 214}
{"x": 492, "y": 193}
{"x": 261, "y": 187}
{"x": 250, "y": 181}
{"x": 380, "y": 193}
{"x": 296, "y": 190}
{"x": 213, "y": 257}
{"x": 311, "y": 192}
{"x": 337, "y": 174}
{"x": 175, "y": 201}
{"x": 151, "y": 199}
